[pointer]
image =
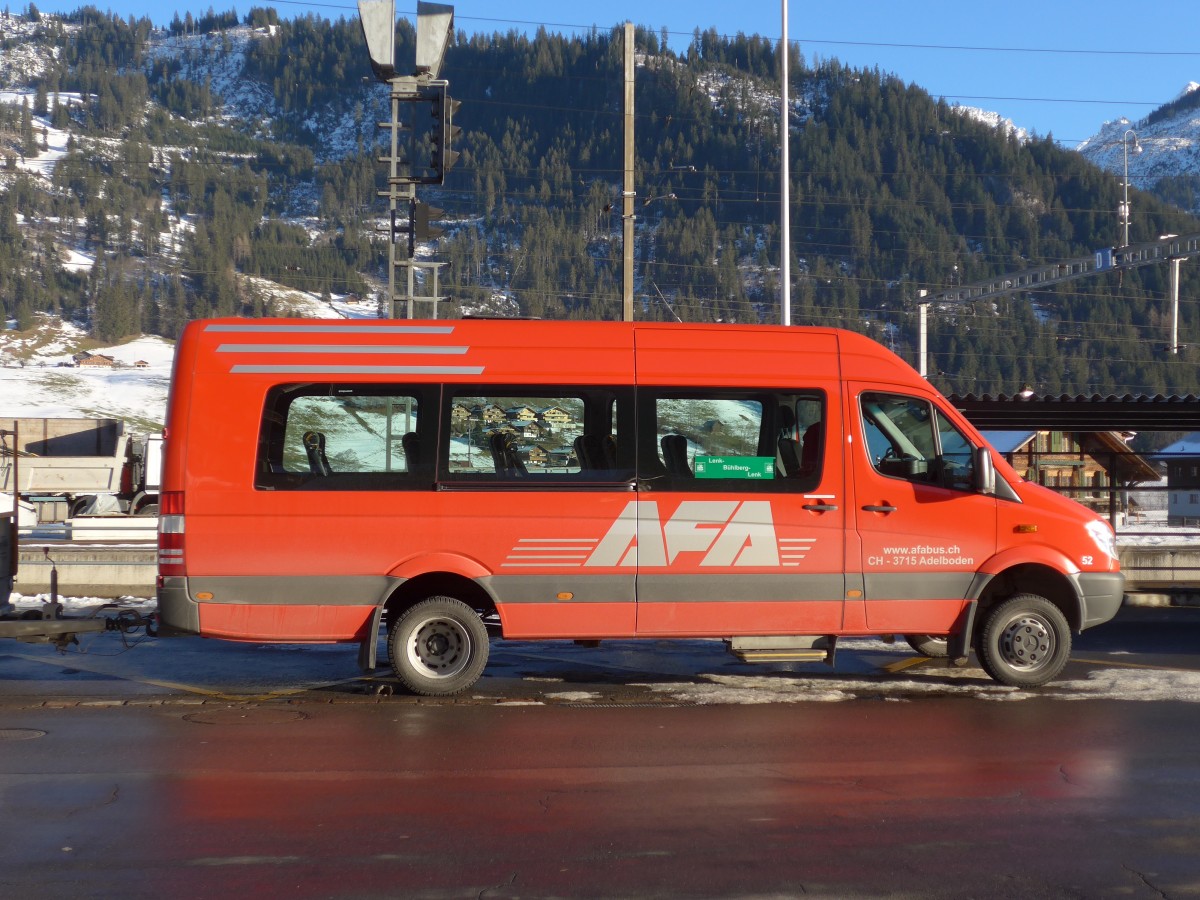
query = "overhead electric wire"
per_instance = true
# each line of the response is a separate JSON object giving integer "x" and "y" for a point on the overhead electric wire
{"x": 727, "y": 198}
{"x": 933, "y": 94}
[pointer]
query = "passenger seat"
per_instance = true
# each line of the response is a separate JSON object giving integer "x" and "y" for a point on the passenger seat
{"x": 675, "y": 455}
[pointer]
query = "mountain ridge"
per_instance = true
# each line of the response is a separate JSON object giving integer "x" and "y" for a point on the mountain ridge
{"x": 201, "y": 170}
{"x": 1164, "y": 152}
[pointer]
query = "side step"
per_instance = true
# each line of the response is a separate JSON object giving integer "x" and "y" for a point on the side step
{"x": 784, "y": 648}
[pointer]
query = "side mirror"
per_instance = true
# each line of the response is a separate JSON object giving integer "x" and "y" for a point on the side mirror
{"x": 985, "y": 472}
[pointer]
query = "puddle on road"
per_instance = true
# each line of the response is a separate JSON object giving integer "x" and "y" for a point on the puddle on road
{"x": 20, "y": 734}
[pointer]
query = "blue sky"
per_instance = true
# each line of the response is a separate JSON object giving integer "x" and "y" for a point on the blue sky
{"x": 1052, "y": 66}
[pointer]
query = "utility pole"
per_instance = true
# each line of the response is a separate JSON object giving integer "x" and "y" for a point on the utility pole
{"x": 1175, "y": 262}
{"x": 785, "y": 216}
{"x": 923, "y": 337}
{"x": 628, "y": 193}
{"x": 1126, "y": 209}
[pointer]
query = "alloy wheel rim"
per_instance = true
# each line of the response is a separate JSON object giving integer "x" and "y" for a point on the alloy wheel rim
{"x": 1027, "y": 642}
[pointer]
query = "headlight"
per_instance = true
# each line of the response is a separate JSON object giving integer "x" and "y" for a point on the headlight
{"x": 1103, "y": 536}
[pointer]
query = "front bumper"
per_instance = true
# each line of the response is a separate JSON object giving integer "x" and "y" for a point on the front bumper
{"x": 1102, "y": 594}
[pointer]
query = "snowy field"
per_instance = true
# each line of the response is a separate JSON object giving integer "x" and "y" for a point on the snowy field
{"x": 39, "y": 379}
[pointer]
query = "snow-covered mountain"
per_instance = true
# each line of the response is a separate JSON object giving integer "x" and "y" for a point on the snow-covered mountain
{"x": 1164, "y": 144}
{"x": 150, "y": 176}
{"x": 993, "y": 120}
{"x": 39, "y": 375}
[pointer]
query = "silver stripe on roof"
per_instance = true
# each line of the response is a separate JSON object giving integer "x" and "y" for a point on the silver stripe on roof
{"x": 339, "y": 348}
{"x": 330, "y": 329}
{"x": 355, "y": 370}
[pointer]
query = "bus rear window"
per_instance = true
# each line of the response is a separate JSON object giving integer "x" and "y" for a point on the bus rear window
{"x": 343, "y": 437}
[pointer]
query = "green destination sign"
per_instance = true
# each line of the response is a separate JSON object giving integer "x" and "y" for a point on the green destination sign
{"x": 757, "y": 467}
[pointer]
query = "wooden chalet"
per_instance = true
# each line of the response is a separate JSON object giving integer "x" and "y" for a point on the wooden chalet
{"x": 1093, "y": 467}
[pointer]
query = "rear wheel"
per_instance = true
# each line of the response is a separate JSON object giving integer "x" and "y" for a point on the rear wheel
{"x": 438, "y": 647}
{"x": 933, "y": 646}
{"x": 1025, "y": 641}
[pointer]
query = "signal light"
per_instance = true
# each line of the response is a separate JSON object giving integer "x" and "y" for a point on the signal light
{"x": 421, "y": 215}
{"x": 445, "y": 133}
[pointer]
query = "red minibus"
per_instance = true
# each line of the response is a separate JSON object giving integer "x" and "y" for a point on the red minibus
{"x": 778, "y": 488}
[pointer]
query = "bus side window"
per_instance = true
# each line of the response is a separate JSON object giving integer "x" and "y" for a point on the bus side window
{"x": 535, "y": 435}
{"x": 728, "y": 439}
{"x": 341, "y": 437}
{"x": 801, "y": 438}
{"x": 956, "y": 457}
{"x": 908, "y": 438}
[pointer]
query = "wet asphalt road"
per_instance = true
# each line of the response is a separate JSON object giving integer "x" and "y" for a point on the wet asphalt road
{"x": 220, "y": 771}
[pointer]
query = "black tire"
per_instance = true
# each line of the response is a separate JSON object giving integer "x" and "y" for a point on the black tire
{"x": 150, "y": 509}
{"x": 438, "y": 647}
{"x": 1025, "y": 641}
{"x": 931, "y": 645}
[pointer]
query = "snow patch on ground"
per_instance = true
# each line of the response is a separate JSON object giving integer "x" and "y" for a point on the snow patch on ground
{"x": 55, "y": 141}
{"x": 38, "y": 379}
{"x": 1107, "y": 684}
{"x": 83, "y": 606}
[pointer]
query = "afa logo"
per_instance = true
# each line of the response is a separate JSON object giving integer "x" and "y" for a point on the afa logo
{"x": 726, "y": 534}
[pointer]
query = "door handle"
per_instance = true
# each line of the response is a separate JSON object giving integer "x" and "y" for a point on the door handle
{"x": 880, "y": 509}
{"x": 819, "y": 507}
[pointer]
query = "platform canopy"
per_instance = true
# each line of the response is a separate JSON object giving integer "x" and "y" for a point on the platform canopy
{"x": 1023, "y": 412}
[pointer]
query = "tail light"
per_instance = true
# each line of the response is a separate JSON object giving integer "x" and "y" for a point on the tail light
{"x": 170, "y": 534}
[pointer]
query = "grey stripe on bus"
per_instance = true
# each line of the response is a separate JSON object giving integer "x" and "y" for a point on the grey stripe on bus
{"x": 342, "y": 348}
{"x": 918, "y": 585}
{"x": 332, "y": 329}
{"x": 356, "y": 370}
{"x": 370, "y": 590}
{"x": 516, "y": 589}
{"x": 294, "y": 590}
{"x": 766, "y": 587}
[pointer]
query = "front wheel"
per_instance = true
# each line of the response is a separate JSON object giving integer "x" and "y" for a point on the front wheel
{"x": 1025, "y": 641}
{"x": 438, "y": 647}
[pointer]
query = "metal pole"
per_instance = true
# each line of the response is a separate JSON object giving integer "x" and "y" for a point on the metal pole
{"x": 785, "y": 237}
{"x": 1175, "y": 261}
{"x": 1125, "y": 205}
{"x": 1125, "y": 210}
{"x": 393, "y": 171}
{"x": 15, "y": 523}
{"x": 627, "y": 206}
{"x": 923, "y": 350}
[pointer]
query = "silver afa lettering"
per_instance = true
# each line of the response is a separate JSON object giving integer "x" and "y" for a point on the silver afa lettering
{"x": 729, "y": 533}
